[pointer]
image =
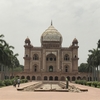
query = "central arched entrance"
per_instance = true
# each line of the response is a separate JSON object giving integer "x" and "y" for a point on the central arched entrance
{"x": 51, "y": 62}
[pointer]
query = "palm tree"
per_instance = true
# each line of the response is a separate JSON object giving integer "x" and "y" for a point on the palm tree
{"x": 2, "y": 45}
{"x": 9, "y": 53}
{"x": 89, "y": 67}
{"x": 98, "y": 44}
{"x": 94, "y": 61}
{"x": 14, "y": 62}
{"x": 98, "y": 48}
{"x": 2, "y": 53}
{"x": 7, "y": 58}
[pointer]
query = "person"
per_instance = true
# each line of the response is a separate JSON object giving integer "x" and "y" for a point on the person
{"x": 14, "y": 83}
{"x": 18, "y": 82}
{"x": 67, "y": 83}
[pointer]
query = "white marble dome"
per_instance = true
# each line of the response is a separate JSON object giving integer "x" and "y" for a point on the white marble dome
{"x": 51, "y": 34}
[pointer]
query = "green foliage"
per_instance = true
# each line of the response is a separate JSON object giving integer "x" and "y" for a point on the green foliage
{"x": 1, "y": 83}
{"x": 89, "y": 83}
{"x": 7, "y": 82}
{"x": 92, "y": 83}
{"x": 94, "y": 61}
{"x": 24, "y": 80}
{"x": 82, "y": 82}
{"x": 83, "y": 67}
{"x": 98, "y": 84}
{"x": 7, "y": 57}
{"x": 16, "y": 69}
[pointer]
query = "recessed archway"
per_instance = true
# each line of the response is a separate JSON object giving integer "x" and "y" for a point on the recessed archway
{"x": 73, "y": 78}
{"x": 84, "y": 78}
{"x": 78, "y": 78}
{"x": 28, "y": 77}
{"x": 33, "y": 77}
{"x": 38, "y": 77}
{"x": 56, "y": 78}
{"x": 22, "y": 77}
{"x": 50, "y": 78}
{"x": 45, "y": 78}
{"x": 62, "y": 78}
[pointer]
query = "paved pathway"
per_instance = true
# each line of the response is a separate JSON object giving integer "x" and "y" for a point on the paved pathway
{"x": 11, "y": 93}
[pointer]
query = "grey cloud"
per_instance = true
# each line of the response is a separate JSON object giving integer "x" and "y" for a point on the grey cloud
{"x": 72, "y": 18}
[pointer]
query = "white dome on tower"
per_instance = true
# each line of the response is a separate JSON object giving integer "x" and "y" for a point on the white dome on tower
{"x": 51, "y": 34}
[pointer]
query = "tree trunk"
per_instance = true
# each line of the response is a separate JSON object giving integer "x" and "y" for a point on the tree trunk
{"x": 12, "y": 72}
{"x": 97, "y": 74}
{"x": 92, "y": 73}
{"x": 2, "y": 72}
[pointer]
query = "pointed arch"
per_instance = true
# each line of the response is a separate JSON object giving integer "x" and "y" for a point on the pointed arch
{"x": 78, "y": 78}
{"x": 66, "y": 57}
{"x": 33, "y": 77}
{"x": 45, "y": 78}
{"x": 73, "y": 78}
{"x": 28, "y": 77}
{"x": 38, "y": 77}
{"x": 50, "y": 78}
{"x": 62, "y": 78}
{"x": 66, "y": 68}
{"x": 22, "y": 77}
{"x": 35, "y": 57}
{"x": 51, "y": 57}
{"x": 56, "y": 78}
{"x": 35, "y": 68}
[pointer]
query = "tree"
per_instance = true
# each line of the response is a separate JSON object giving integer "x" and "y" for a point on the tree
{"x": 14, "y": 62}
{"x": 2, "y": 46}
{"x": 83, "y": 67}
{"x": 98, "y": 48}
{"x": 7, "y": 57}
{"x": 93, "y": 60}
{"x": 98, "y": 44}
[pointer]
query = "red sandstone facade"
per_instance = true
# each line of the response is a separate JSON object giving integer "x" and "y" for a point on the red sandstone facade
{"x": 51, "y": 61}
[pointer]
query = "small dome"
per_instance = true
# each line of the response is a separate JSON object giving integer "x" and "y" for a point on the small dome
{"x": 75, "y": 41}
{"x": 27, "y": 40}
{"x": 51, "y": 34}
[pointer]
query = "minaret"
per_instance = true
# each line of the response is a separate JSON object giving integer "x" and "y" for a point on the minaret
{"x": 26, "y": 57}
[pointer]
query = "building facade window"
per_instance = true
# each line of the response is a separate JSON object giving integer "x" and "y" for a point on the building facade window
{"x": 66, "y": 69}
{"x": 35, "y": 68}
{"x": 51, "y": 57}
{"x": 35, "y": 57}
{"x": 66, "y": 57}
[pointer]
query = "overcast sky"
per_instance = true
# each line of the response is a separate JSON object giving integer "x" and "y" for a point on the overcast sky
{"x": 72, "y": 18}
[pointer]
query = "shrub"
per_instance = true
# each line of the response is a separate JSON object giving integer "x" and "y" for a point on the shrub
{"x": 1, "y": 83}
{"x": 7, "y": 82}
{"x": 84, "y": 82}
{"x": 24, "y": 80}
{"x": 98, "y": 84}
{"x": 88, "y": 83}
{"x": 94, "y": 84}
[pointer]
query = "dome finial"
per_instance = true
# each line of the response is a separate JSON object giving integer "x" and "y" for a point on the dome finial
{"x": 51, "y": 22}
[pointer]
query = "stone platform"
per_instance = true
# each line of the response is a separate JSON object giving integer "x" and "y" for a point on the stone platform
{"x": 11, "y": 93}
